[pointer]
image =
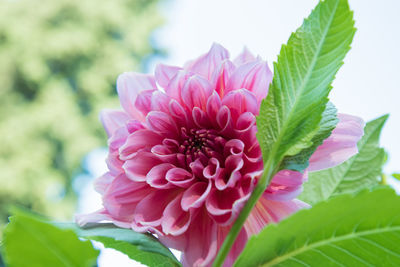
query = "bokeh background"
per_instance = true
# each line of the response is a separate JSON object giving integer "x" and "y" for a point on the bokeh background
{"x": 59, "y": 60}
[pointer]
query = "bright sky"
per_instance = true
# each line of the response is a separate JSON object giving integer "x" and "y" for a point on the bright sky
{"x": 365, "y": 86}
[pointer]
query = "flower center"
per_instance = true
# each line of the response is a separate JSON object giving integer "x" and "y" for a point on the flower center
{"x": 199, "y": 144}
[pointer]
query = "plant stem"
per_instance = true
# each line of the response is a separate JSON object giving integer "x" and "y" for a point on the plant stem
{"x": 237, "y": 226}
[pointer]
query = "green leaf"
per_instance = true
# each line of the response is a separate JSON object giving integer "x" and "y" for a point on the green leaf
{"x": 290, "y": 116}
{"x": 143, "y": 248}
{"x": 29, "y": 241}
{"x": 326, "y": 126}
{"x": 396, "y": 176}
{"x": 348, "y": 230}
{"x": 359, "y": 172}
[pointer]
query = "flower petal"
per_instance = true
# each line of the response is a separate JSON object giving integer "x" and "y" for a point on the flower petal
{"x": 268, "y": 211}
{"x": 156, "y": 177}
{"x": 207, "y": 63}
{"x": 195, "y": 92}
{"x": 112, "y": 120}
{"x": 138, "y": 166}
{"x": 195, "y": 195}
{"x": 129, "y": 85}
{"x": 244, "y": 57}
{"x": 254, "y": 76}
{"x": 175, "y": 220}
{"x": 340, "y": 145}
{"x": 137, "y": 141}
{"x": 164, "y": 74}
{"x": 285, "y": 185}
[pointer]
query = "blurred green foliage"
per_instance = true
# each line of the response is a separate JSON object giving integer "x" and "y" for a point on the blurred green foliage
{"x": 59, "y": 61}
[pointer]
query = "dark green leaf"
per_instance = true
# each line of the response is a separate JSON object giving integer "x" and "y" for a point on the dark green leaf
{"x": 348, "y": 230}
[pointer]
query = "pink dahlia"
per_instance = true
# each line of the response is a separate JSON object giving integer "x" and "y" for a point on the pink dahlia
{"x": 184, "y": 157}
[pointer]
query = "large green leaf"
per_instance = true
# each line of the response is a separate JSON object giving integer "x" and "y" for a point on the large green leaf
{"x": 290, "y": 116}
{"x": 143, "y": 248}
{"x": 348, "y": 230}
{"x": 359, "y": 172}
{"x": 29, "y": 241}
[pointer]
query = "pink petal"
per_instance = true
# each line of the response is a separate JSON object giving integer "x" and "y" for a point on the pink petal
{"x": 286, "y": 185}
{"x": 129, "y": 85}
{"x": 113, "y": 120}
{"x": 179, "y": 177}
{"x": 165, "y": 73}
{"x": 143, "y": 101}
{"x": 244, "y": 57}
{"x": 195, "y": 92}
{"x": 149, "y": 210}
{"x": 162, "y": 123}
{"x": 207, "y": 63}
{"x": 101, "y": 183}
{"x": 224, "y": 206}
{"x": 195, "y": 195}
{"x": 137, "y": 141}
{"x": 160, "y": 101}
{"x": 122, "y": 196}
{"x": 213, "y": 106}
{"x": 268, "y": 211}
{"x": 240, "y": 101}
{"x": 254, "y": 76}
{"x": 175, "y": 220}
{"x": 138, "y": 166}
{"x": 340, "y": 145}
{"x": 221, "y": 76}
{"x": 156, "y": 177}
{"x": 174, "y": 87}
{"x": 201, "y": 242}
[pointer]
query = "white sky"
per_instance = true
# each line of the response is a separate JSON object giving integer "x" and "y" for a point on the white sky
{"x": 366, "y": 85}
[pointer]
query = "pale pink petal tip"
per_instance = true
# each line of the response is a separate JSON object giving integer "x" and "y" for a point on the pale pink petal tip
{"x": 340, "y": 145}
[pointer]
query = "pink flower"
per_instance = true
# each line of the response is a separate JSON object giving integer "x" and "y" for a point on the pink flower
{"x": 184, "y": 159}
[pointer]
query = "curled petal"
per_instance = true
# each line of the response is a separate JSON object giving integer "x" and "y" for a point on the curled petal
{"x": 340, "y": 145}
{"x": 122, "y": 196}
{"x": 195, "y": 195}
{"x": 179, "y": 177}
{"x": 138, "y": 166}
{"x": 149, "y": 211}
{"x": 137, "y": 141}
{"x": 129, "y": 85}
{"x": 224, "y": 206}
{"x": 175, "y": 220}
{"x": 112, "y": 120}
{"x": 156, "y": 177}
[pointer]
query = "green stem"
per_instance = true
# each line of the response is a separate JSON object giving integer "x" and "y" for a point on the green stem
{"x": 237, "y": 226}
